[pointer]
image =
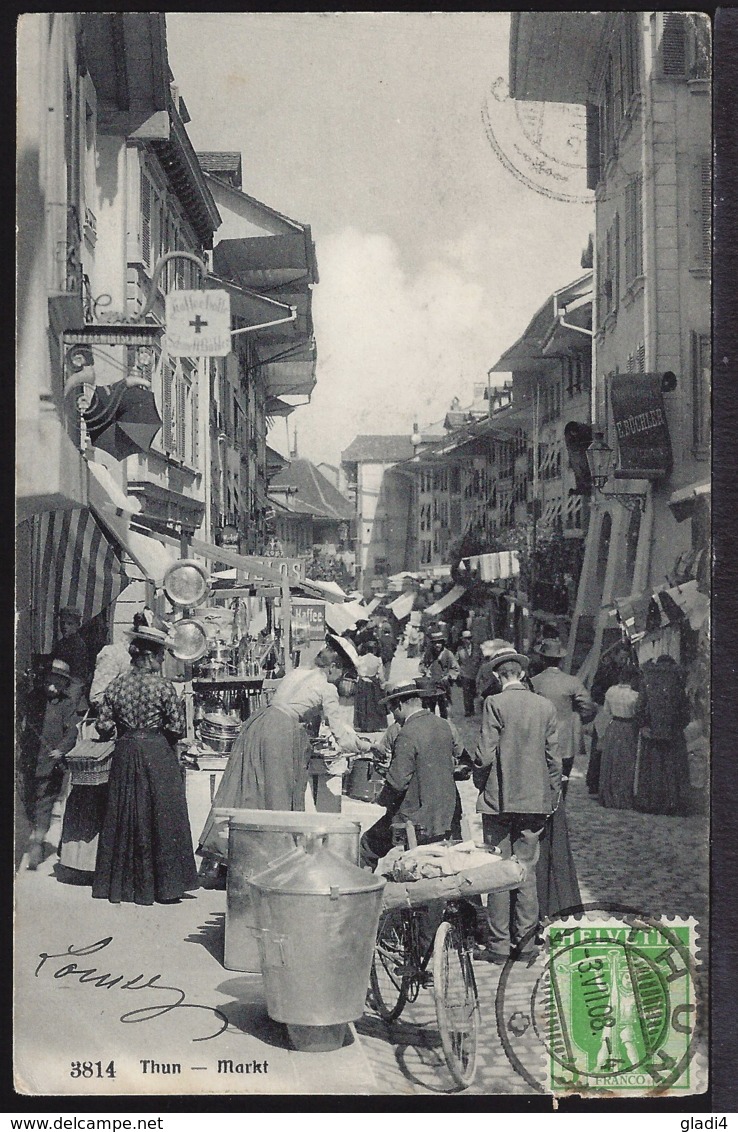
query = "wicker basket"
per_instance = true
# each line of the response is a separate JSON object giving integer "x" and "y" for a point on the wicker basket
{"x": 86, "y": 771}
{"x": 90, "y": 759}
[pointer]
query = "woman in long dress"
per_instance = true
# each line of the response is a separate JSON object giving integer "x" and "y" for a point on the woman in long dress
{"x": 267, "y": 767}
{"x": 620, "y": 743}
{"x": 370, "y": 712}
{"x": 145, "y": 849}
{"x": 662, "y": 712}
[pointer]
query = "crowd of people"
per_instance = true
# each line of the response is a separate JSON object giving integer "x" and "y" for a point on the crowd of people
{"x": 127, "y": 833}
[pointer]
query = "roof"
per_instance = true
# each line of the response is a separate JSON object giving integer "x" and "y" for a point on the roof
{"x": 225, "y": 161}
{"x": 311, "y": 494}
{"x": 377, "y": 450}
{"x": 529, "y": 350}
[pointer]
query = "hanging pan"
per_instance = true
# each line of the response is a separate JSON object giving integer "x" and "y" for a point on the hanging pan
{"x": 186, "y": 582}
{"x": 189, "y": 639}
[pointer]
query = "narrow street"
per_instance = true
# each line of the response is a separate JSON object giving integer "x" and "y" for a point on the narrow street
{"x": 644, "y": 861}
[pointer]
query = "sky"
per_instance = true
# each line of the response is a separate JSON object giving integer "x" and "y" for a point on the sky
{"x": 370, "y": 127}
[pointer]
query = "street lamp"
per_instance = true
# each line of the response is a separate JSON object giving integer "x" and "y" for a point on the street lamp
{"x": 600, "y": 458}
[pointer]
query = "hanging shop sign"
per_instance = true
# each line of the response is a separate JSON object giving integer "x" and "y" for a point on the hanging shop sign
{"x": 308, "y": 622}
{"x": 641, "y": 427}
{"x": 198, "y": 324}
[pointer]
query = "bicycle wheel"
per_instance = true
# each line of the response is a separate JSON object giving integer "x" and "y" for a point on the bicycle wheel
{"x": 457, "y": 1003}
{"x": 389, "y": 987}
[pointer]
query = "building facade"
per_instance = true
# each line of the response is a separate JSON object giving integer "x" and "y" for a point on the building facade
{"x": 643, "y": 80}
{"x": 382, "y": 500}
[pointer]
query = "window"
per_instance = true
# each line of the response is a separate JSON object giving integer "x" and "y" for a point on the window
{"x": 700, "y": 241}
{"x": 631, "y": 548}
{"x": 603, "y": 552}
{"x": 701, "y": 380}
{"x": 629, "y": 57}
{"x": 594, "y": 148}
{"x": 146, "y": 194}
{"x": 633, "y": 230}
{"x": 673, "y": 50}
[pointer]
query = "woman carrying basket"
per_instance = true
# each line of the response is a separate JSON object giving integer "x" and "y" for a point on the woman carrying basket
{"x": 145, "y": 851}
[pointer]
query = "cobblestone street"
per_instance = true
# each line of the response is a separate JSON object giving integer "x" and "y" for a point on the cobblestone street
{"x": 654, "y": 864}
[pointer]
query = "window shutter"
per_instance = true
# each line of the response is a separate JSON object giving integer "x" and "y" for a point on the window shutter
{"x": 593, "y": 146}
{"x": 641, "y": 359}
{"x": 145, "y": 219}
{"x": 616, "y": 262}
{"x": 701, "y": 373}
{"x": 196, "y": 421}
{"x": 180, "y": 411}
{"x": 674, "y": 45}
{"x": 166, "y": 405}
{"x": 706, "y": 209}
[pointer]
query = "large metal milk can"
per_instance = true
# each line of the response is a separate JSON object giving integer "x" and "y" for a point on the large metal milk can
{"x": 256, "y": 839}
{"x": 317, "y": 918}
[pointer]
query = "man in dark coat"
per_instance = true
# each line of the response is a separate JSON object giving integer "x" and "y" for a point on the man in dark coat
{"x": 419, "y": 786}
{"x": 573, "y": 703}
{"x": 440, "y": 664}
{"x": 70, "y": 647}
{"x": 518, "y": 776}
{"x": 65, "y": 707}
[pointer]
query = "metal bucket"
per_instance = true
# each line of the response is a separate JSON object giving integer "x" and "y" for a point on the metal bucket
{"x": 256, "y": 839}
{"x": 364, "y": 783}
{"x": 317, "y": 917}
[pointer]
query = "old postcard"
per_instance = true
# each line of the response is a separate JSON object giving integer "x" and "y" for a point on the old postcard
{"x": 363, "y": 565}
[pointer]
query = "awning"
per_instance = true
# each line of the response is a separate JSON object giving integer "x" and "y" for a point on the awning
{"x": 290, "y": 372}
{"x": 73, "y": 563}
{"x": 339, "y": 618}
{"x": 682, "y": 502}
{"x": 402, "y": 605}
{"x": 251, "y": 307}
{"x": 114, "y": 510}
{"x": 448, "y": 599}
{"x": 263, "y": 262}
{"x": 653, "y": 610}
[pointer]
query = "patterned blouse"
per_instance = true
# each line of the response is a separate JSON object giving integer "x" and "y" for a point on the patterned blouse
{"x": 141, "y": 700}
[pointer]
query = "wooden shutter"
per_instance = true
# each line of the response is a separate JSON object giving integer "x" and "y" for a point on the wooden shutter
{"x": 616, "y": 262}
{"x": 180, "y": 411}
{"x": 641, "y": 359}
{"x": 145, "y": 219}
{"x": 701, "y": 374}
{"x": 706, "y": 209}
{"x": 196, "y": 420}
{"x": 167, "y": 378}
{"x": 673, "y": 45}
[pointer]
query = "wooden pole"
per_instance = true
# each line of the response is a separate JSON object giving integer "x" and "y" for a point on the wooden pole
{"x": 286, "y": 623}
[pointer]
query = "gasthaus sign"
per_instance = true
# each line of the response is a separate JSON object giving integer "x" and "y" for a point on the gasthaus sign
{"x": 198, "y": 324}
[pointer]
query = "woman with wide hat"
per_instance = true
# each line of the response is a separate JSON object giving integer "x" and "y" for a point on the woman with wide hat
{"x": 267, "y": 767}
{"x": 145, "y": 848}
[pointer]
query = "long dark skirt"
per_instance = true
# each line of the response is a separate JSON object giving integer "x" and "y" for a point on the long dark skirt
{"x": 617, "y": 769}
{"x": 556, "y": 874}
{"x": 369, "y": 712}
{"x": 84, "y": 815}
{"x": 663, "y": 776}
{"x": 145, "y": 850}
{"x": 267, "y": 770}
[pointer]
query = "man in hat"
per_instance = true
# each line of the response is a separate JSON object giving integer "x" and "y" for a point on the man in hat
{"x": 468, "y": 661}
{"x": 487, "y": 681}
{"x": 573, "y": 703}
{"x": 70, "y": 647}
{"x": 440, "y": 664}
{"x": 419, "y": 785}
{"x": 518, "y": 776}
{"x": 65, "y": 707}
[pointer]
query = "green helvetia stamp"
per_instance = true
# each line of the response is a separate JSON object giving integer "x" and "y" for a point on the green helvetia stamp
{"x": 618, "y": 1005}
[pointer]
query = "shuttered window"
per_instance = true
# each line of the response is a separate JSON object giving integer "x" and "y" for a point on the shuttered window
{"x": 701, "y": 214}
{"x": 633, "y": 230}
{"x": 629, "y": 56}
{"x": 145, "y": 219}
{"x": 167, "y": 408}
{"x": 673, "y": 45}
{"x": 181, "y": 415}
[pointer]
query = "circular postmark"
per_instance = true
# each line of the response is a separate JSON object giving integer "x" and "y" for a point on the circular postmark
{"x": 611, "y": 1006}
{"x": 542, "y": 144}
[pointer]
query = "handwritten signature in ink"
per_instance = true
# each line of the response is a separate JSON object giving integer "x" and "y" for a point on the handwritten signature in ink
{"x": 106, "y": 981}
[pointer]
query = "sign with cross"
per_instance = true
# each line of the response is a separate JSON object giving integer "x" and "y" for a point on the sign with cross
{"x": 198, "y": 324}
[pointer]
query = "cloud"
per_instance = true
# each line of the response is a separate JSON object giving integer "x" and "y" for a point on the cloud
{"x": 393, "y": 347}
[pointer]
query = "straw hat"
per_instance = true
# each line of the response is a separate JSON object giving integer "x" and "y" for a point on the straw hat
{"x": 508, "y": 652}
{"x": 153, "y": 636}
{"x": 61, "y": 668}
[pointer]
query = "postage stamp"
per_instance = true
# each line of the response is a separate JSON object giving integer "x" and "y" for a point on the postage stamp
{"x": 617, "y": 1007}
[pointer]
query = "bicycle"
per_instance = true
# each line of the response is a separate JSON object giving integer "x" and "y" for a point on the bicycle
{"x": 400, "y": 968}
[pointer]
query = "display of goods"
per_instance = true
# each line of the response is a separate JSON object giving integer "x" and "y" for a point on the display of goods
{"x": 189, "y": 639}
{"x": 218, "y": 732}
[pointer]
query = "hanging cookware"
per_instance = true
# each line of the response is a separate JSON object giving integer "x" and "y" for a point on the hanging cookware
{"x": 189, "y": 639}
{"x": 186, "y": 582}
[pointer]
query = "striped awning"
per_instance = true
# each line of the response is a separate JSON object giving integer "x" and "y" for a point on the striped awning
{"x": 73, "y": 564}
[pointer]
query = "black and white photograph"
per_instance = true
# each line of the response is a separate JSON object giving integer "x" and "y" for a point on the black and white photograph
{"x": 363, "y": 555}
